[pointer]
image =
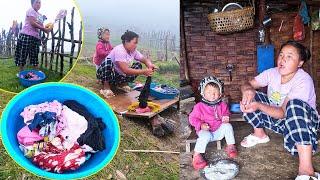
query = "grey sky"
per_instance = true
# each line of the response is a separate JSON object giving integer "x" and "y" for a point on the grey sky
{"x": 147, "y": 15}
{"x": 16, "y": 10}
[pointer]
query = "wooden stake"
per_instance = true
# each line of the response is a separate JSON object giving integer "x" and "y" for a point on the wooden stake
{"x": 62, "y": 45}
{"x": 52, "y": 50}
{"x": 58, "y": 46}
{"x": 151, "y": 151}
{"x": 72, "y": 39}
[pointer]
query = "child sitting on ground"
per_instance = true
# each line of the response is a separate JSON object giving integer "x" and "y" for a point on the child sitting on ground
{"x": 210, "y": 118}
{"x": 103, "y": 46}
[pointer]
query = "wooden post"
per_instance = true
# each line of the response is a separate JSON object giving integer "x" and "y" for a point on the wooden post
{"x": 183, "y": 45}
{"x": 72, "y": 39}
{"x": 45, "y": 50}
{"x": 311, "y": 65}
{"x": 262, "y": 11}
{"x": 62, "y": 46}
{"x": 166, "y": 47}
{"x": 80, "y": 39}
{"x": 42, "y": 55}
{"x": 52, "y": 50}
{"x": 58, "y": 46}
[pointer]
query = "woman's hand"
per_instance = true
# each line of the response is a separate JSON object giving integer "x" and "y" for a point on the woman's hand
{"x": 147, "y": 72}
{"x": 225, "y": 119}
{"x": 250, "y": 108}
{"x": 46, "y": 30}
{"x": 205, "y": 126}
{"x": 248, "y": 96}
{"x": 152, "y": 66}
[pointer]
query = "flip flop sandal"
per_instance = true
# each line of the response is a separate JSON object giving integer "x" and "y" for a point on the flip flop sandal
{"x": 307, "y": 177}
{"x": 167, "y": 127}
{"x": 107, "y": 93}
{"x": 158, "y": 131}
{"x": 252, "y": 140}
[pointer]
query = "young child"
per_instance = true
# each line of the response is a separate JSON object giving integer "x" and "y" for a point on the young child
{"x": 29, "y": 38}
{"x": 103, "y": 47}
{"x": 210, "y": 118}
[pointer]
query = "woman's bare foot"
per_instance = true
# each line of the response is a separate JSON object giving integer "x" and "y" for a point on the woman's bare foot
{"x": 107, "y": 93}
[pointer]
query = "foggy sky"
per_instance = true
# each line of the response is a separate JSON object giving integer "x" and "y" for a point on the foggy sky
{"x": 144, "y": 14}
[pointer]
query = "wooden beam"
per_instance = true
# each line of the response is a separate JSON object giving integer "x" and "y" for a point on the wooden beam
{"x": 69, "y": 40}
{"x": 183, "y": 44}
{"x": 309, "y": 3}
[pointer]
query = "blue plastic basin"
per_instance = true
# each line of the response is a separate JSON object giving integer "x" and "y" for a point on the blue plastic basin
{"x": 27, "y": 82}
{"x": 12, "y": 122}
{"x": 235, "y": 107}
{"x": 161, "y": 95}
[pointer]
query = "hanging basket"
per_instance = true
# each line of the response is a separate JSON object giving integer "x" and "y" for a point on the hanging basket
{"x": 231, "y": 21}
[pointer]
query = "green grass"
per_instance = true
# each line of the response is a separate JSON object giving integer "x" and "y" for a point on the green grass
{"x": 9, "y": 80}
{"x": 168, "y": 73}
{"x": 135, "y": 134}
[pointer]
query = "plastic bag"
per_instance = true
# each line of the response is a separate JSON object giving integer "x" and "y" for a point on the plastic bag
{"x": 298, "y": 29}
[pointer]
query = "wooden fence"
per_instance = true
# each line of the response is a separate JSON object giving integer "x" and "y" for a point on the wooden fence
{"x": 8, "y": 41}
{"x": 163, "y": 42}
{"x": 54, "y": 59}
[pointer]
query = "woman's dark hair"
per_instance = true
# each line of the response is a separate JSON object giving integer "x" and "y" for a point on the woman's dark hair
{"x": 304, "y": 52}
{"x": 32, "y": 1}
{"x": 128, "y": 36}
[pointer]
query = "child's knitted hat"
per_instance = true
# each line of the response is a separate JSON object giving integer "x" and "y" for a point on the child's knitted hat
{"x": 100, "y": 32}
{"x": 204, "y": 82}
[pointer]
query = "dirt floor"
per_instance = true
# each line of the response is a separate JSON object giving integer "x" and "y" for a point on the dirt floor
{"x": 265, "y": 161}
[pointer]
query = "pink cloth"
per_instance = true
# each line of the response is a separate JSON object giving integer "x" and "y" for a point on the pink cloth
{"x": 120, "y": 54}
{"x": 103, "y": 49}
{"x": 27, "y": 137}
{"x": 28, "y": 29}
{"x": 212, "y": 115}
{"x": 29, "y": 111}
{"x": 299, "y": 87}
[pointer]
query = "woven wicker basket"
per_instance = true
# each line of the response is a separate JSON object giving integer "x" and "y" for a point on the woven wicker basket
{"x": 232, "y": 21}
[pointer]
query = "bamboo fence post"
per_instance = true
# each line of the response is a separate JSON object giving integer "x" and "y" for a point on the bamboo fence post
{"x": 62, "y": 45}
{"x": 52, "y": 50}
{"x": 42, "y": 55}
{"x": 58, "y": 47}
{"x": 72, "y": 39}
{"x": 80, "y": 39}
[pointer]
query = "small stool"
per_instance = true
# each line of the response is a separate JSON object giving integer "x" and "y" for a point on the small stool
{"x": 189, "y": 141}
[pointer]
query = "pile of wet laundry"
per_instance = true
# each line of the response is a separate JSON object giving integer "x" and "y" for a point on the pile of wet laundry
{"x": 163, "y": 88}
{"x": 30, "y": 76}
{"x": 60, "y": 137}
